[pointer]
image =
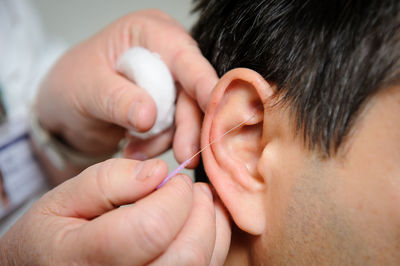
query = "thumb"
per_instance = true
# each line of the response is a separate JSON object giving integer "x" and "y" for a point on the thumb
{"x": 115, "y": 99}
{"x": 106, "y": 186}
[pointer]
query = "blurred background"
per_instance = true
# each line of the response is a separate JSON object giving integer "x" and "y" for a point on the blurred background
{"x": 73, "y": 21}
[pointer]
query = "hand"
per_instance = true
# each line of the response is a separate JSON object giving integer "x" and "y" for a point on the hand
{"x": 90, "y": 105}
{"x": 80, "y": 222}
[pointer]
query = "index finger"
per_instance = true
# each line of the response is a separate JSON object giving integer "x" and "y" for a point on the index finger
{"x": 195, "y": 243}
{"x": 163, "y": 35}
{"x": 105, "y": 186}
{"x": 194, "y": 73}
{"x": 137, "y": 234}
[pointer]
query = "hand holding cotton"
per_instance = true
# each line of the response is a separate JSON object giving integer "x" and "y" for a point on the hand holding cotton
{"x": 148, "y": 71}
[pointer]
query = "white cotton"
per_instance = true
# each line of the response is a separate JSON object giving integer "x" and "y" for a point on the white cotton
{"x": 148, "y": 71}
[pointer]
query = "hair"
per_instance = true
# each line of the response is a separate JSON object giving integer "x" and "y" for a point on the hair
{"x": 326, "y": 58}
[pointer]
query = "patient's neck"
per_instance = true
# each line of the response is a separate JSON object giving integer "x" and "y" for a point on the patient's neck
{"x": 238, "y": 252}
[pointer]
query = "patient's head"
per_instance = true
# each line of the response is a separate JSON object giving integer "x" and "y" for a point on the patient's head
{"x": 314, "y": 176}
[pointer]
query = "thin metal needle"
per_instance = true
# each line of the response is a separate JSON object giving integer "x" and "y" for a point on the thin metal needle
{"x": 185, "y": 163}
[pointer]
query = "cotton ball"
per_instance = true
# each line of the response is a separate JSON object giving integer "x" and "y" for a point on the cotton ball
{"x": 148, "y": 71}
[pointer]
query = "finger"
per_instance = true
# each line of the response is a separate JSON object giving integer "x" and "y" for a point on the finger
{"x": 188, "y": 119}
{"x": 105, "y": 186}
{"x": 117, "y": 100}
{"x": 181, "y": 54}
{"x": 142, "y": 149}
{"x": 195, "y": 243}
{"x": 223, "y": 234}
{"x": 95, "y": 140}
{"x": 137, "y": 234}
{"x": 194, "y": 73}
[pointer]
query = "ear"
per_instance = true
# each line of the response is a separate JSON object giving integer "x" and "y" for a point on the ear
{"x": 231, "y": 162}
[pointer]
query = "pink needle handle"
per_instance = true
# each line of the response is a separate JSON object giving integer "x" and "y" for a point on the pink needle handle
{"x": 185, "y": 163}
{"x": 175, "y": 172}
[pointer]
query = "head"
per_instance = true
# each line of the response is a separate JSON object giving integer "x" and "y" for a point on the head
{"x": 314, "y": 176}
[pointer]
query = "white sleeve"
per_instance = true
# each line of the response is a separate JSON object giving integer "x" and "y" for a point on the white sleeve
{"x": 26, "y": 54}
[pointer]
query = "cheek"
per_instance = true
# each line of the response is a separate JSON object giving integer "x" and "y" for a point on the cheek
{"x": 371, "y": 201}
{"x": 306, "y": 225}
{"x": 302, "y": 216}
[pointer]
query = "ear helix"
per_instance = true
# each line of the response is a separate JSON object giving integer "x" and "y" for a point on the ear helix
{"x": 237, "y": 105}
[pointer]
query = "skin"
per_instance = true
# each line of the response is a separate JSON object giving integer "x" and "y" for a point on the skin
{"x": 305, "y": 209}
{"x": 80, "y": 221}
{"x": 90, "y": 106}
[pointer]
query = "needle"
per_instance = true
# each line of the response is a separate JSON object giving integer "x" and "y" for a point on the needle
{"x": 185, "y": 163}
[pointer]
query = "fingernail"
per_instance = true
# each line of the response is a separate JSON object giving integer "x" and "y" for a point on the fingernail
{"x": 140, "y": 156}
{"x": 206, "y": 190}
{"x": 146, "y": 170}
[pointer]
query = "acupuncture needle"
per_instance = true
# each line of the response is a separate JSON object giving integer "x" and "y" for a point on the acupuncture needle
{"x": 185, "y": 163}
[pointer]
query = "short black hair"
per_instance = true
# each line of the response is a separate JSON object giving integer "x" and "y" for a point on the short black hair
{"x": 325, "y": 57}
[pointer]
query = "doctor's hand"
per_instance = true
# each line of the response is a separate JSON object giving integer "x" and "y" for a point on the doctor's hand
{"x": 80, "y": 222}
{"x": 88, "y": 104}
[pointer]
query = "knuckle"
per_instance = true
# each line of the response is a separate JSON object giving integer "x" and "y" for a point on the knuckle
{"x": 76, "y": 104}
{"x": 103, "y": 179}
{"x": 115, "y": 101}
{"x": 53, "y": 202}
{"x": 181, "y": 58}
{"x": 183, "y": 190}
{"x": 188, "y": 48}
{"x": 104, "y": 168}
{"x": 153, "y": 232}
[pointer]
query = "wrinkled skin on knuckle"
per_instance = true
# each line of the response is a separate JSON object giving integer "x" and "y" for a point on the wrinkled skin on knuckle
{"x": 115, "y": 102}
{"x": 52, "y": 203}
{"x": 183, "y": 191}
{"x": 153, "y": 231}
{"x": 101, "y": 252}
{"x": 189, "y": 48}
{"x": 111, "y": 102}
{"x": 103, "y": 178}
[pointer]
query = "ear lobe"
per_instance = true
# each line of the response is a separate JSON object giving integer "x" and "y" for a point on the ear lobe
{"x": 231, "y": 162}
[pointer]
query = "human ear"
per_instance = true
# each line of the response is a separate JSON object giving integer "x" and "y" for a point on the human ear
{"x": 231, "y": 162}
